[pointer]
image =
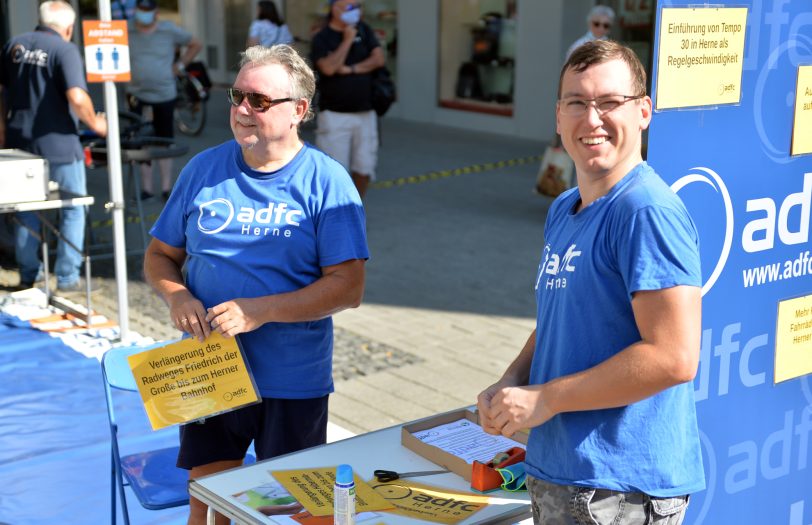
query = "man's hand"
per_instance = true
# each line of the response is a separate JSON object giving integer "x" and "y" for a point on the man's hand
{"x": 100, "y": 127}
{"x": 350, "y": 32}
{"x": 188, "y": 315}
{"x": 518, "y": 407}
{"x": 235, "y": 317}
{"x": 483, "y": 405}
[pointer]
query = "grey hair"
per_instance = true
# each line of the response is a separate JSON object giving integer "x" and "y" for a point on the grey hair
{"x": 601, "y": 10}
{"x": 56, "y": 14}
{"x": 302, "y": 80}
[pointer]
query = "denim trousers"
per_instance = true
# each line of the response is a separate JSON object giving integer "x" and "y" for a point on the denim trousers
{"x": 569, "y": 505}
{"x": 71, "y": 177}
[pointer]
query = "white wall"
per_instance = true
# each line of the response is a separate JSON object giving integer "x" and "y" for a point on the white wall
{"x": 23, "y": 17}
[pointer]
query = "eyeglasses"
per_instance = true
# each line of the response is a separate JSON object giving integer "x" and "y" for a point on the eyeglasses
{"x": 578, "y": 106}
{"x": 605, "y": 25}
{"x": 258, "y": 102}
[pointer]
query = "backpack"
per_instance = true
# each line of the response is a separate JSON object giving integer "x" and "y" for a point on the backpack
{"x": 383, "y": 91}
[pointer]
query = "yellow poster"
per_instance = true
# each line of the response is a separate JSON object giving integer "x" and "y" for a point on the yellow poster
{"x": 188, "y": 380}
{"x": 313, "y": 488}
{"x": 423, "y": 502}
{"x": 700, "y": 56}
{"x": 793, "y": 338}
{"x": 802, "y": 128}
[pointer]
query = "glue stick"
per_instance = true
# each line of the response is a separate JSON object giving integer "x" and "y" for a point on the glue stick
{"x": 344, "y": 496}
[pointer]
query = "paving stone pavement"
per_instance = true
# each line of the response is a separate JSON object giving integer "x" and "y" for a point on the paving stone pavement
{"x": 449, "y": 291}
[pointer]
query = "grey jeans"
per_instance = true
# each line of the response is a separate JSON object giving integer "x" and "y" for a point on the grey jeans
{"x": 568, "y": 505}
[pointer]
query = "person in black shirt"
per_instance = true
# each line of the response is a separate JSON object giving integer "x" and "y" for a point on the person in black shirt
{"x": 345, "y": 53}
{"x": 42, "y": 78}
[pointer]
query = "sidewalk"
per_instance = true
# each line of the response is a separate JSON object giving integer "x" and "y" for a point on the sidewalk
{"x": 449, "y": 294}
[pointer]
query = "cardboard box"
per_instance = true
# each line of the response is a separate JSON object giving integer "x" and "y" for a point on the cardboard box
{"x": 436, "y": 455}
{"x": 23, "y": 177}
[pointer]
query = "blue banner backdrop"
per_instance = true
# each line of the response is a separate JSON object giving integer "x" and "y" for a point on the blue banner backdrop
{"x": 752, "y": 203}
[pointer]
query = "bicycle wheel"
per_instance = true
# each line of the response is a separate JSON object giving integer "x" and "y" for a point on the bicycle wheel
{"x": 190, "y": 115}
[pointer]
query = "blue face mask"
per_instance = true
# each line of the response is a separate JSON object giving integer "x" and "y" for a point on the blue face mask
{"x": 351, "y": 17}
{"x": 144, "y": 17}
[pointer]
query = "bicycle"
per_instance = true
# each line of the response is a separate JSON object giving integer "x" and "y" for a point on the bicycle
{"x": 193, "y": 93}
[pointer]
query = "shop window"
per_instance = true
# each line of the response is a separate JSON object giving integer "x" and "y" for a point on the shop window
{"x": 477, "y": 55}
{"x": 238, "y": 17}
{"x": 305, "y": 18}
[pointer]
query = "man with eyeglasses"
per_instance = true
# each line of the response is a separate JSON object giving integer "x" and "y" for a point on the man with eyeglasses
{"x": 604, "y": 382}
{"x": 599, "y": 22}
{"x": 345, "y": 53}
{"x": 263, "y": 238}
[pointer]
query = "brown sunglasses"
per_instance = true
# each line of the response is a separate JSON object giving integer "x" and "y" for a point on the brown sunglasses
{"x": 258, "y": 102}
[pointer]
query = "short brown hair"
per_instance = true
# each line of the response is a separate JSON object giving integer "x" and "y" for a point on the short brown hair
{"x": 600, "y": 51}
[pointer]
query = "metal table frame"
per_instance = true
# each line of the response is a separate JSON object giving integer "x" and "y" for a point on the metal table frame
{"x": 56, "y": 201}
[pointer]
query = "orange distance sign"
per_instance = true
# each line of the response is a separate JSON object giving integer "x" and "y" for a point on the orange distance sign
{"x": 107, "y": 51}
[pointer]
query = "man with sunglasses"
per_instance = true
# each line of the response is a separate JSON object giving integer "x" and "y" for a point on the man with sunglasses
{"x": 604, "y": 382}
{"x": 345, "y": 53}
{"x": 599, "y": 22}
{"x": 262, "y": 238}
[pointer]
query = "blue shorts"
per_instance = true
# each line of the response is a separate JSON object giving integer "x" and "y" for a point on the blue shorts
{"x": 276, "y": 426}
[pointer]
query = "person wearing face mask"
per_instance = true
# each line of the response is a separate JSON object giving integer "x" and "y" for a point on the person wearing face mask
{"x": 42, "y": 92}
{"x": 153, "y": 69}
{"x": 599, "y": 22}
{"x": 346, "y": 53}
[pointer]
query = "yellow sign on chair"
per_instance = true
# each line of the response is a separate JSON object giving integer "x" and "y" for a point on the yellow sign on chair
{"x": 190, "y": 380}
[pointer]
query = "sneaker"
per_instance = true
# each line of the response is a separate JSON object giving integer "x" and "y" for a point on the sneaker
{"x": 165, "y": 196}
{"x": 78, "y": 286}
{"x": 25, "y": 285}
{"x": 147, "y": 196}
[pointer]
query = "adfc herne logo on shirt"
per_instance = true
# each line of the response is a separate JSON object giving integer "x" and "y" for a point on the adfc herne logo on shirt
{"x": 275, "y": 219}
{"x": 555, "y": 268}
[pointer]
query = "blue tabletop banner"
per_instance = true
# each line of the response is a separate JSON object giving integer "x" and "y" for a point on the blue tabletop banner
{"x": 751, "y": 199}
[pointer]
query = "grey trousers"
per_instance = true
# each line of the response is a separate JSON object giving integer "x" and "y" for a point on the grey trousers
{"x": 568, "y": 505}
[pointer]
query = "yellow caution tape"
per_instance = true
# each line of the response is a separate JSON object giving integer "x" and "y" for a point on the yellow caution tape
{"x": 442, "y": 174}
{"x": 402, "y": 181}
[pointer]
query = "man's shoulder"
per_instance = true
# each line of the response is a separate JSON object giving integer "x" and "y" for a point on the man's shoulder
{"x": 324, "y": 162}
{"x": 647, "y": 190}
{"x": 325, "y": 34}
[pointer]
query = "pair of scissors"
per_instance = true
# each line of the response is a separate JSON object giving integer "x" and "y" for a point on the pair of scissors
{"x": 390, "y": 475}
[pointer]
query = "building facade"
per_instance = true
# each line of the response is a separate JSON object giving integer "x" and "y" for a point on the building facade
{"x": 486, "y": 65}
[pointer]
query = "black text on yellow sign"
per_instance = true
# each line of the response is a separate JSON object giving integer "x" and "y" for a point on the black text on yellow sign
{"x": 189, "y": 380}
{"x": 424, "y": 502}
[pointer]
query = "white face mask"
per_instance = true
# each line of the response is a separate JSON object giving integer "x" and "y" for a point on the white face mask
{"x": 351, "y": 17}
{"x": 144, "y": 17}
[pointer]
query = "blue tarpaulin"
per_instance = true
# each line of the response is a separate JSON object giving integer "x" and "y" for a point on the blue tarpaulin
{"x": 55, "y": 438}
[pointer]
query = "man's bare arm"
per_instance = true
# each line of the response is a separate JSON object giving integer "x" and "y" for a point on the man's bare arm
{"x": 82, "y": 106}
{"x": 669, "y": 322}
{"x": 340, "y": 287}
{"x": 162, "y": 270}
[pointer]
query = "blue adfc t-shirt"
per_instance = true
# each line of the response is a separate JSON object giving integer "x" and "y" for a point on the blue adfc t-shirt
{"x": 637, "y": 237}
{"x": 252, "y": 234}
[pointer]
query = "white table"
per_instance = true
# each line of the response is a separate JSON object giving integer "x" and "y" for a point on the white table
{"x": 376, "y": 450}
